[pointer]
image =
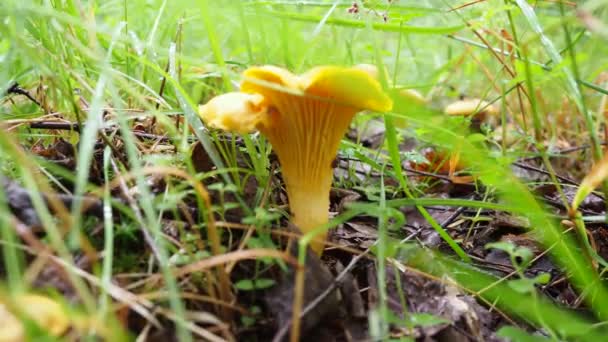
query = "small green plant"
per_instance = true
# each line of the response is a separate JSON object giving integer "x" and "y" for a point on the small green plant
{"x": 520, "y": 259}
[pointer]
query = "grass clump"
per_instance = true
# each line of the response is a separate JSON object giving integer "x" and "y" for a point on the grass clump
{"x": 117, "y": 199}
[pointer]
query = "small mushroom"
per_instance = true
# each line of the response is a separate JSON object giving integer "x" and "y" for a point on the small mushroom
{"x": 11, "y": 329}
{"x": 470, "y": 107}
{"x": 413, "y": 95}
{"x": 480, "y": 111}
{"x": 304, "y": 118}
{"x": 371, "y": 70}
{"x": 410, "y": 98}
{"x": 410, "y": 95}
{"x": 47, "y": 313}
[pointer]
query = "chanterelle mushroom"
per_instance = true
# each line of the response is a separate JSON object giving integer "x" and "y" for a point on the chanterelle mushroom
{"x": 478, "y": 110}
{"x": 46, "y": 312}
{"x": 469, "y": 107}
{"x": 304, "y": 118}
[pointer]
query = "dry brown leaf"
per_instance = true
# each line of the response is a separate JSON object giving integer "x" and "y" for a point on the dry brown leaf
{"x": 598, "y": 174}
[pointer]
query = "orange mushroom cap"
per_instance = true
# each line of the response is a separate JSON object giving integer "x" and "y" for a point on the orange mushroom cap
{"x": 470, "y": 107}
{"x": 304, "y": 118}
{"x": 47, "y": 313}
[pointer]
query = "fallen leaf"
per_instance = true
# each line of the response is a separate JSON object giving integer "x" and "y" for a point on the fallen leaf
{"x": 598, "y": 173}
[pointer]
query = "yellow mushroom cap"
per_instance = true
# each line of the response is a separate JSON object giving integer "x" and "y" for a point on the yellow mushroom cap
{"x": 412, "y": 95}
{"x": 47, "y": 313}
{"x": 237, "y": 112}
{"x": 469, "y": 107}
{"x": 304, "y": 118}
{"x": 11, "y": 329}
{"x": 351, "y": 87}
{"x": 372, "y": 70}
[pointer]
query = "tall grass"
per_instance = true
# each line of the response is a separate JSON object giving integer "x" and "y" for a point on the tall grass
{"x": 119, "y": 54}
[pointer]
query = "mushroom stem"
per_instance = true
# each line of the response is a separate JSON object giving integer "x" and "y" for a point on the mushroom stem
{"x": 309, "y": 209}
{"x": 305, "y": 133}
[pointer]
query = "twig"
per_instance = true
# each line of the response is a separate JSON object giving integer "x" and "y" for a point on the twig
{"x": 74, "y": 126}
{"x": 538, "y": 170}
{"x": 563, "y": 151}
{"x": 423, "y": 173}
{"x": 429, "y": 174}
{"x": 16, "y": 89}
{"x": 65, "y": 126}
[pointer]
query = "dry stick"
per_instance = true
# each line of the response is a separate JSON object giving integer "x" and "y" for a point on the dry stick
{"x": 16, "y": 89}
{"x": 465, "y": 5}
{"x": 496, "y": 54}
{"x": 522, "y": 108}
{"x": 73, "y": 126}
{"x": 70, "y": 126}
{"x": 547, "y": 173}
{"x": 419, "y": 172}
{"x": 205, "y": 334}
{"x": 122, "y": 158}
{"x": 429, "y": 174}
{"x": 220, "y": 260}
{"x": 563, "y": 151}
{"x": 535, "y": 169}
{"x": 56, "y": 117}
{"x": 195, "y": 296}
{"x": 163, "y": 82}
{"x": 145, "y": 332}
{"x": 284, "y": 232}
{"x": 161, "y": 90}
{"x": 10, "y": 125}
